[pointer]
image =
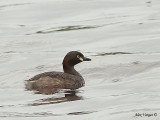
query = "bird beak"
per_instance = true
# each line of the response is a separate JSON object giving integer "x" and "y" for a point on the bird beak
{"x": 86, "y": 59}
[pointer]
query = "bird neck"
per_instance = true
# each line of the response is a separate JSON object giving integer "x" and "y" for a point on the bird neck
{"x": 67, "y": 68}
{"x": 70, "y": 70}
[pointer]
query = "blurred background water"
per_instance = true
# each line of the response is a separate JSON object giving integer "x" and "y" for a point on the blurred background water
{"x": 122, "y": 37}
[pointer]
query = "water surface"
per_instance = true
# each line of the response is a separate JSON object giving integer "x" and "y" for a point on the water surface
{"x": 121, "y": 37}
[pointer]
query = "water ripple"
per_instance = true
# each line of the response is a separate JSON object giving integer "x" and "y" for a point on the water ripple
{"x": 65, "y": 28}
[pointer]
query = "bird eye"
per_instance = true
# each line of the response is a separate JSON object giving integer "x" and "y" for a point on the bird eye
{"x": 80, "y": 58}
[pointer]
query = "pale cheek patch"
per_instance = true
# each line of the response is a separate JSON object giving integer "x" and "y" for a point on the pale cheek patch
{"x": 80, "y": 58}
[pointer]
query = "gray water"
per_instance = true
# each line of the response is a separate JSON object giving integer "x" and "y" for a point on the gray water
{"x": 122, "y": 37}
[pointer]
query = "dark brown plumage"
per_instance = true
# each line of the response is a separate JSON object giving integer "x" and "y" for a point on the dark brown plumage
{"x": 51, "y": 82}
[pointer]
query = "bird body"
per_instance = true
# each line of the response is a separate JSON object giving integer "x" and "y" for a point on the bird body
{"x": 50, "y": 82}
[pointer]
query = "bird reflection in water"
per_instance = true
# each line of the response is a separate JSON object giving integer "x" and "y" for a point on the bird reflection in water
{"x": 69, "y": 95}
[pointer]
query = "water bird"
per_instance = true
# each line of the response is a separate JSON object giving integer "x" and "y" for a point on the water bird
{"x": 51, "y": 82}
